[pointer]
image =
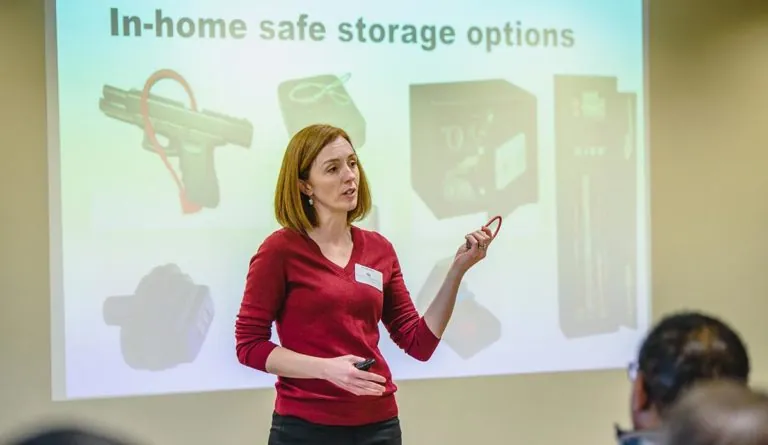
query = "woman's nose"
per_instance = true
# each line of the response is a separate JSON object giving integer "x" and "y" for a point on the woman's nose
{"x": 349, "y": 174}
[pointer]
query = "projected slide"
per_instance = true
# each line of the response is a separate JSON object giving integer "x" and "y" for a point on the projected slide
{"x": 168, "y": 123}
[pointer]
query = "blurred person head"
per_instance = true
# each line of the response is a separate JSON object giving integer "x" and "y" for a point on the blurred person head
{"x": 67, "y": 436}
{"x": 683, "y": 349}
{"x": 718, "y": 413}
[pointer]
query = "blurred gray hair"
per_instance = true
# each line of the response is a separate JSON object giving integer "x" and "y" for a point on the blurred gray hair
{"x": 719, "y": 413}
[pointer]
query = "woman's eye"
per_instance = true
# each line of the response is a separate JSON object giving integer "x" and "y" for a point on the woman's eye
{"x": 332, "y": 169}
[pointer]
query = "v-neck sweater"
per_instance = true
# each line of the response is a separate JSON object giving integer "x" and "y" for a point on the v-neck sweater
{"x": 324, "y": 310}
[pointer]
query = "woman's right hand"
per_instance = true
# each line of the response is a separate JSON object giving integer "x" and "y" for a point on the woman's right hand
{"x": 341, "y": 372}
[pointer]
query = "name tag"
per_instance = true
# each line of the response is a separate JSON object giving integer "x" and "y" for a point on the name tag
{"x": 371, "y": 277}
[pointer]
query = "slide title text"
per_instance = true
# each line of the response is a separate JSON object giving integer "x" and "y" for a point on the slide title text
{"x": 303, "y": 29}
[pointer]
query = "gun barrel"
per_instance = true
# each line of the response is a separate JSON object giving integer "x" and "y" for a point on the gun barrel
{"x": 125, "y": 105}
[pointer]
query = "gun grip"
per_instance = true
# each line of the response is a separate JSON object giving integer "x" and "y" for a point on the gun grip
{"x": 198, "y": 174}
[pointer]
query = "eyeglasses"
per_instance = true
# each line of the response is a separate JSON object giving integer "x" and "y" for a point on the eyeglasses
{"x": 632, "y": 370}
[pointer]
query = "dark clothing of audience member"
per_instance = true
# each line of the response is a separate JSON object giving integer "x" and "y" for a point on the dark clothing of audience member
{"x": 681, "y": 350}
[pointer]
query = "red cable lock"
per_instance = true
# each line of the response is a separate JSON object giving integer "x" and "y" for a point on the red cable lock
{"x": 187, "y": 206}
{"x": 488, "y": 224}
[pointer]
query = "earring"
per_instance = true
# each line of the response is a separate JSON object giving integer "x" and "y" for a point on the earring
{"x": 311, "y": 202}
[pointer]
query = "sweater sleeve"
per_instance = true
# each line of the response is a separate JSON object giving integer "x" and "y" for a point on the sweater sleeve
{"x": 262, "y": 299}
{"x": 406, "y": 326}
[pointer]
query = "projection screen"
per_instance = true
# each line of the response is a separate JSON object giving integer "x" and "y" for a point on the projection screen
{"x": 459, "y": 110}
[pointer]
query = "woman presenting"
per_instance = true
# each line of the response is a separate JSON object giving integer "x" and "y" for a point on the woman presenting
{"x": 327, "y": 284}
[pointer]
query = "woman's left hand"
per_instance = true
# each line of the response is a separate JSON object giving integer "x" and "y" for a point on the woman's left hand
{"x": 478, "y": 242}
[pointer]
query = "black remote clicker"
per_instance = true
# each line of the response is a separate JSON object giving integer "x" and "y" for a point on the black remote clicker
{"x": 365, "y": 364}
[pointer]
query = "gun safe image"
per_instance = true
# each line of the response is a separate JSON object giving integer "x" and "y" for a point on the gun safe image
{"x": 597, "y": 205}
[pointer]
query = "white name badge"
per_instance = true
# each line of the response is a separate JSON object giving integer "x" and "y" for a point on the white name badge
{"x": 371, "y": 277}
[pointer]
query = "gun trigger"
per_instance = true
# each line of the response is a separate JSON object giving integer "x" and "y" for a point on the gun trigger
{"x": 146, "y": 144}
{"x": 170, "y": 150}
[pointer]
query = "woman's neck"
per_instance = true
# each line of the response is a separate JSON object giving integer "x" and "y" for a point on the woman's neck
{"x": 331, "y": 230}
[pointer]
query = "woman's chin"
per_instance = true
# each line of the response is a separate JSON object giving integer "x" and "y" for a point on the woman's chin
{"x": 350, "y": 206}
{"x": 344, "y": 207}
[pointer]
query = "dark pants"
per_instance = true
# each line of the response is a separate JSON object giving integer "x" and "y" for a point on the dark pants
{"x": 287, "y": 430}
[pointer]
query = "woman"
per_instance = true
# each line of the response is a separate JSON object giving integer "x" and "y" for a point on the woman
{"x": 327, "y": 284}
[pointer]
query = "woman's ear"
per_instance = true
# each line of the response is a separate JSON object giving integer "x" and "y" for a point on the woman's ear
{"x": 305, "y": 188}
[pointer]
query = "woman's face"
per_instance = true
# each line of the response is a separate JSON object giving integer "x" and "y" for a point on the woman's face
{"x": 333, "y": 179}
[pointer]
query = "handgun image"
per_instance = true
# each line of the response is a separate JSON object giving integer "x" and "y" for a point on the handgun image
{"x": 192, "y": 136}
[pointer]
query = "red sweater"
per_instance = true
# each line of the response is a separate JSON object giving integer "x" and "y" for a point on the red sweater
{"x": 322, "y": 310}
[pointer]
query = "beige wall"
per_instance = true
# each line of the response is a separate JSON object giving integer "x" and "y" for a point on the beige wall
{"x": 709, "y": 105}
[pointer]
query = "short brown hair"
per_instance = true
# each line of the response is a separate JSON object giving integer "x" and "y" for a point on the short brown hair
{"x": 292, "y": 209}
{"x": 686, "y": 348}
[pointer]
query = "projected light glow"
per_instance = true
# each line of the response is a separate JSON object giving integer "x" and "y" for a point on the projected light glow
{"x": 162, "y": 191}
